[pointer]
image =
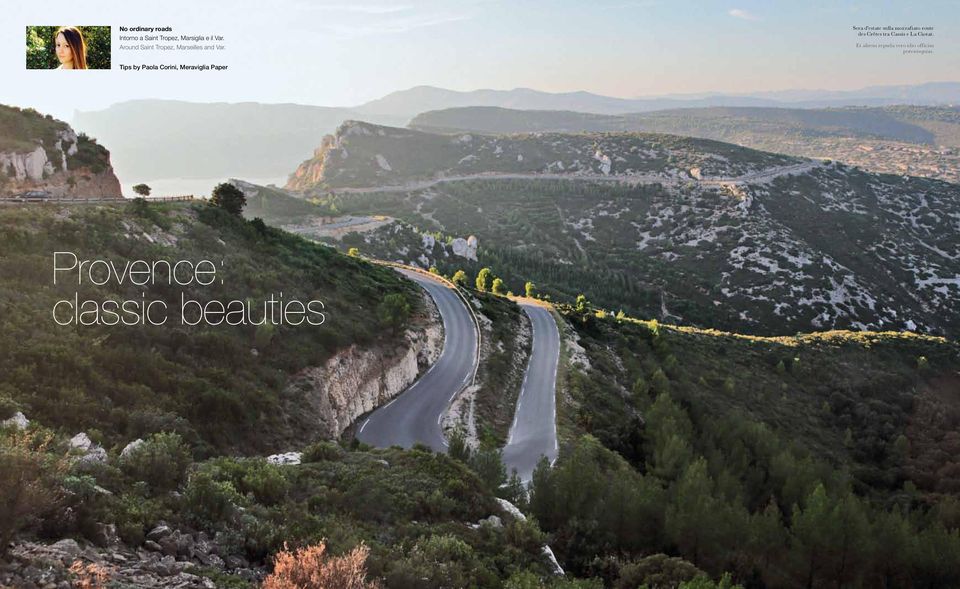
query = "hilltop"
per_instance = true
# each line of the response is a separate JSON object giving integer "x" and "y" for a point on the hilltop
{"x": 365, "y": 155}
{"x": 38, "y": 152}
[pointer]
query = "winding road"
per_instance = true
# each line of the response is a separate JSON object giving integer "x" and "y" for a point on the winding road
{"x": 534, "y": 430}
{"x": 765, "y": 175}
{"x": 414, "y": 415}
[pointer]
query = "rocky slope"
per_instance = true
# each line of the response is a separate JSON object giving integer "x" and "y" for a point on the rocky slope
{"x": 364, "y": 155}
{"x": 693, "y": 230}
{"x": 42, "y": 153}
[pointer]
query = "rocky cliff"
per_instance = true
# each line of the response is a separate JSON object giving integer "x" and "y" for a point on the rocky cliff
{"x": 44, "y": 154}
{"x": 357, "y": 380}
{"x": 310, "y": 172}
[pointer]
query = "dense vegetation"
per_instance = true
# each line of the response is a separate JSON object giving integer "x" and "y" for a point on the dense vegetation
{"x": 523, "y": 236}
{"x": 818, "y": 460}
{"x": 501, "y": 373}
{"x": 123, "y": 382}
{"x": 410, "y": 507}
{"x": 24, "y": 129}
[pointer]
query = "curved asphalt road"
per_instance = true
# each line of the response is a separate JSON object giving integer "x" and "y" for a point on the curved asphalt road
{"x": 414, "y": 415}
{"x": 534, "y": 430}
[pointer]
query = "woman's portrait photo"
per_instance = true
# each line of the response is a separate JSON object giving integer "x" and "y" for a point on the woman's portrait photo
{"x": 68, "y": 47}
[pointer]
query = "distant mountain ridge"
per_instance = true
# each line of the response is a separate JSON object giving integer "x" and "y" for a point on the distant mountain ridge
{"x": 423, "y": 98}
{"x": 164, "y": 139}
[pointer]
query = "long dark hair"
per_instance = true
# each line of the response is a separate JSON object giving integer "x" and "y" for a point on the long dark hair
{"x": 78, "y": 46}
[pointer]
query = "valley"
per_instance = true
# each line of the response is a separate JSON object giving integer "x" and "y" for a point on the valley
{"x": 736, "y": 365}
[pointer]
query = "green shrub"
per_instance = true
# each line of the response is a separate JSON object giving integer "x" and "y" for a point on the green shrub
{"x": 208, "y": 501}
{"x": 161, "y": 461}
{"x": 658, "y": 571}
{"x": 488, "y": 464}
{"x": 265, "y": 482}
{"x": 525, "y": 535}
{"x": 322, "y": 451}
{"x": 8, "y": 406}
{"x": 28, "y": 482}
{"x": 435, "y": 562}
{"x": 458, "y": 448}
{"x": 134, "y": 514}
{"x": 394, "y": 311}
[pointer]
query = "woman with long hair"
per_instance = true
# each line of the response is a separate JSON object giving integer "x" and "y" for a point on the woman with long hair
{"x": 71, "y": 49}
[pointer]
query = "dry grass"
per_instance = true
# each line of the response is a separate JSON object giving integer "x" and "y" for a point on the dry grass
{"x": 312, "y": 568}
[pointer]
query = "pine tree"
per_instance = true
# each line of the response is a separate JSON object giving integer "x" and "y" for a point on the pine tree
{"x": 813, "y": 529}
{"x": 691, "y": 520}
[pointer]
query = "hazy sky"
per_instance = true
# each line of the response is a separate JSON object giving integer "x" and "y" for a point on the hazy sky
{"x": 344, "y": 52}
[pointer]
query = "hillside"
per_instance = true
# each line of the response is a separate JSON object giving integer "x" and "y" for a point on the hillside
{"x": 365, "y": 155}
{"x": 125, "y": 382}
{"x": 38, "y": 152}
{"x": 914, "y": 140}
{"x": 782, "y": 249}
{"x": 811, "y": 460}
{"x": 139, "y": 449}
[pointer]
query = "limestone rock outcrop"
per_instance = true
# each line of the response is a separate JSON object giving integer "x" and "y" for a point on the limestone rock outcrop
{"x": 52, "y": 158}
{"x": 356, "y": 380}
